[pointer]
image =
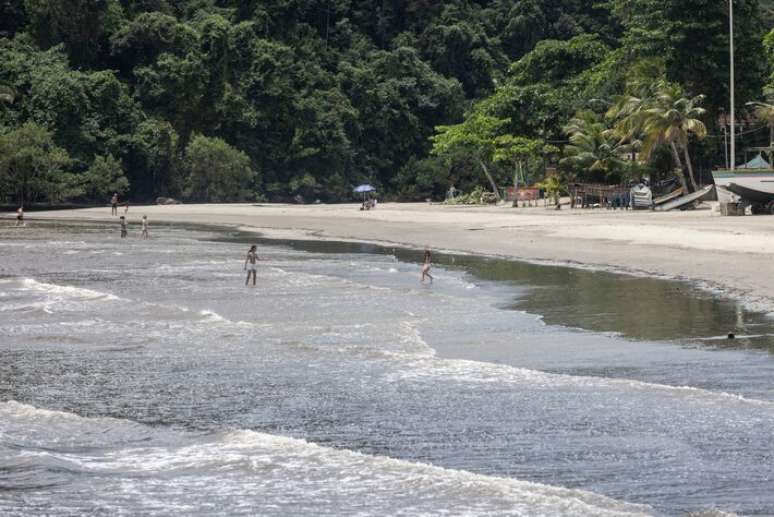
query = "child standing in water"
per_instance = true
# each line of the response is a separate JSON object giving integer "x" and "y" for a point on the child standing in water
{"x": 428, "y": 262}
{"x": 123, "y": 227}
{"x": 251, "y": 264}
{"x": 144, "y": 233}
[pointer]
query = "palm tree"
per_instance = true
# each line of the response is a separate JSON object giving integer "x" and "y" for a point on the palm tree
{"x": 629, "y": 110}
{"x": 673, "y": 120}
{"x": 662, "y": 115}
{"x": 593, "y": 146}
{"x": 764, "y": 112}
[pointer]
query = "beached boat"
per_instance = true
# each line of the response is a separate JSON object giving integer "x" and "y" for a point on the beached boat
{"x": 755, "y": 186}
{"x": 668, "y": 197}
{"x": 687, "y": 200}
{"x": 641, "y": 196}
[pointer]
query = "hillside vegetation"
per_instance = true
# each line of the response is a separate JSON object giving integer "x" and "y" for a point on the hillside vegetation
{"x": 225, "y": 100}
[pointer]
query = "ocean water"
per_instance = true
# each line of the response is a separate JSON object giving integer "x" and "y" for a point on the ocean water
{"x": 143, "y": 378}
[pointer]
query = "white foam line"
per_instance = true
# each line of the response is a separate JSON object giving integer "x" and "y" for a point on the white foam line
{"x": 302, "y": 275}
{"x": 67, "y": 290}
{"x": 389, "y": 473}
{"x": 20, "y": 410}
{"x": 589, "y": 502}
{"x": 461, "y": 369}
{"x": 500, "y": 369}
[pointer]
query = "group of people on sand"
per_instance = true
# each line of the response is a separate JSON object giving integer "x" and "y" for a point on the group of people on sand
{"x": 124, "y": 222}
{"x": 251, "y": 265}
{"x": 369, "y": 204}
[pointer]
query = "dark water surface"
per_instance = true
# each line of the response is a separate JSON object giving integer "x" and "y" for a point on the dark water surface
{"x": 635, "y": 306}
{"x": 142, "y": 377}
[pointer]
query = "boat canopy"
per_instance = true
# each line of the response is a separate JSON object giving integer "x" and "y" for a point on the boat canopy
{"x": 759, "y": 162}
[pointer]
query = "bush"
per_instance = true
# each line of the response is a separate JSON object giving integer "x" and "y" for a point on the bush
{"x": 32, "y": 167}
{"x": 218, "y": 172}
{"x": 476, "y": 197}
{"x": 422, "y": 179}
{"x": 104, "y": 177}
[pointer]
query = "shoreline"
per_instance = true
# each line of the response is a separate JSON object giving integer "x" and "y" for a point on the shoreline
{"x": 725, "y": 255}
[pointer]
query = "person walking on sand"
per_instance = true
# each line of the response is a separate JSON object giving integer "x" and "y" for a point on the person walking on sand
{"x": 126, "y": 207}
{"x": 20, "y": 216}
{"x": 251, "y": 264}
{"x": 123, "y": 227}
{"x": 428, "y": 262}
{"x": 114, "y": 204}
{"x": 144, "y": 233}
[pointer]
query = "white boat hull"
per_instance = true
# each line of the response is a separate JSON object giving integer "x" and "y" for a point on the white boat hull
{"x": 758, "y": 180}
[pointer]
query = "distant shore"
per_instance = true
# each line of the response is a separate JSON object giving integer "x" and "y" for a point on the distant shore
{"x": 732, "y": 254}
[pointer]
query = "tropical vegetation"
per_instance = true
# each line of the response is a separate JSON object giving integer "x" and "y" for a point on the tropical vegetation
{"x": 240, "y": 100}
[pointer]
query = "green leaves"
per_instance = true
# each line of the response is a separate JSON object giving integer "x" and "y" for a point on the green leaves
{"x": 217, "y": 172}
{"x": 81, "y": 25}
{"x": 557, "y": 62}
{"x": 104, "y": 176}
{"x": 321, "y": 95}
{"x": 594, "y": 152}
{"x": 32, "y": 166}
{"x": 475, "y": 136}
{"x": 691, "y": 37}
{"x": 659, "y": 114}
{"x": 510, "y": 148}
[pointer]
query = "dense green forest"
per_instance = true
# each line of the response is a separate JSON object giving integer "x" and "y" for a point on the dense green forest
{"x": 226, "y": 100}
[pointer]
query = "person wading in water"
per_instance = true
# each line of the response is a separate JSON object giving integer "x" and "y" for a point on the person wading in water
{"x": 144, "y": 232}
{"x": 251, "y": 264}
{"x": 428, "y": 262}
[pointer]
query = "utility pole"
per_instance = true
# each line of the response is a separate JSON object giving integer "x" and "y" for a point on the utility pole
{"x": 327, "y": 21}
{"x": 733, "y": 103}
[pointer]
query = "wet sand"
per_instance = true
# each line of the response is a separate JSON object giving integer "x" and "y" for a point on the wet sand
{"x": 733, "y": 254}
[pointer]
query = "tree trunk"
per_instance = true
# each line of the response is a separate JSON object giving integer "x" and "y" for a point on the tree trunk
{"x": 491, "y": 180}
{"x": 679, "y": 167}
{"x": 690, "y": 167}
{"x": 515, "y": 203}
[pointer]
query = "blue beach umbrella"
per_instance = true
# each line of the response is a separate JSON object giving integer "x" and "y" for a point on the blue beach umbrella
{"x": 362, "y": 189}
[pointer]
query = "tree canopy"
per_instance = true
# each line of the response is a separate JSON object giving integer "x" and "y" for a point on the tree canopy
{"x": 306, "y": 98}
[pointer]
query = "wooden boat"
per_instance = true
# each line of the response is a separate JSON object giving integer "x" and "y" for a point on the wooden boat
{"x": 684, "y": 201}
{"x": 669, "y": 197}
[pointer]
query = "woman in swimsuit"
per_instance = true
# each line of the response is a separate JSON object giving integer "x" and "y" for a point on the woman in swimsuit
{"x": 144, "y": 233}
{"x": 426, "y": 266}
{"x": 250, "y": 264}
{"x": 20, "y": 216}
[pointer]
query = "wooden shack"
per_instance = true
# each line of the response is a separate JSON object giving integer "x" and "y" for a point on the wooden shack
{"x": 589, "y": 195}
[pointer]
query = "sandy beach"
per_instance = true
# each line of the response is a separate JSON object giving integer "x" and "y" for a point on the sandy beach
{"x": 732, "y": 254}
